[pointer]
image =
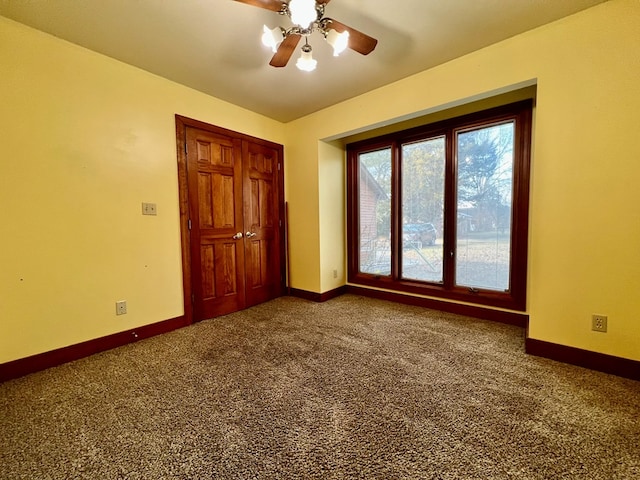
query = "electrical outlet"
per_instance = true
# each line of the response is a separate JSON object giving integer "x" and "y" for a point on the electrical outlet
{"x": 599, "y": 323}
{"x": 149, "y": 209}
{"x": 335, "y": 273}
{"x": 121, "y": 307}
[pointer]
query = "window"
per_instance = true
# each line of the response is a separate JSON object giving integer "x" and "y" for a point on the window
{"x": 442, "y": 209}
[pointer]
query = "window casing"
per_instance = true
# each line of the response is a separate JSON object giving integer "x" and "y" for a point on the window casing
{"x": 442, "y": 210}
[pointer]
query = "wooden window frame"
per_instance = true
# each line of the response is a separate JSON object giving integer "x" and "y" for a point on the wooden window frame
{"x": 515, "y": 297}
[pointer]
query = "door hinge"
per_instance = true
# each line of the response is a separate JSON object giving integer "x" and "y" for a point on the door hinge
{"x": 279, "y": 166}
{"x": 189, "y": 224}
{"x": 185, "y": 149}
{"x": 279, "y": 223}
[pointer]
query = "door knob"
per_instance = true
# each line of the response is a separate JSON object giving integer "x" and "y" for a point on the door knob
{"x": 250, "y": 234}
{"x": 237, "y": 236}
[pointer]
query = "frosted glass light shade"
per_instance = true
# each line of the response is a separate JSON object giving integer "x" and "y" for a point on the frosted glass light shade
{"x": 303, "y": 12}
{"x": 272, "y": 37}
{"x": 339, "y": 41}
{"x": 306, "y": 62}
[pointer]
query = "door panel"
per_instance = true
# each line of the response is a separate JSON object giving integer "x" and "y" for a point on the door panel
{"x": 254, "y": 266}
{"x": 208, "y": 277}
{"x": 262, "y": 247}
{"x": 214, "y": 174}
{"x": 229, "y": 278}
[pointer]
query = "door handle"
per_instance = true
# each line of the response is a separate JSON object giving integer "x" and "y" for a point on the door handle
{"x": 237, "y": 236}
{"x": 250, "y": 234}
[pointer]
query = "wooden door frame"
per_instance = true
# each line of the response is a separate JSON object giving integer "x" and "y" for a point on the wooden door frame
{"x": 183, "y": 191}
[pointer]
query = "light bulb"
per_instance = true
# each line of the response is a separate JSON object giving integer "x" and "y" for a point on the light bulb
{"x": 339, "y": 41}
{"x": 272, "y": 37}
{"x": 303, "y": 12}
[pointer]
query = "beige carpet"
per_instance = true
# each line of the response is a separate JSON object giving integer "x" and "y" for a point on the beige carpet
{"x": 352, "y": 388}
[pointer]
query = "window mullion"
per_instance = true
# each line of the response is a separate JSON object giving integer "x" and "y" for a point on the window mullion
{"x": 450, "y": 222}
{"x": 396, "y": 207}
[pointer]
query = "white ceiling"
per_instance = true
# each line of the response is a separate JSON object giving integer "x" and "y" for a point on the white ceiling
{"x": 214, "y": 45}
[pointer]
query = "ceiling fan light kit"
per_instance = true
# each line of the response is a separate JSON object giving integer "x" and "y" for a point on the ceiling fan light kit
{"x": 308, "y": 17}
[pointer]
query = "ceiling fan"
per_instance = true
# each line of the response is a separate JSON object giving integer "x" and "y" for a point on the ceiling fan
{"x": 307, "y": 17}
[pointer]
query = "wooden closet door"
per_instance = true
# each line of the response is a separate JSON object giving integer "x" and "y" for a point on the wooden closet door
{"x": 262, "y": 223}
{"x": 214, "y": 176}
{"x": 231, "y": 216}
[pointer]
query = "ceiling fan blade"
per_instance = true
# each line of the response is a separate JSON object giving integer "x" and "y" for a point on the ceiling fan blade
{"x": 323, "y": 1}
{"x": 273, "y": 5}
{"x": 358, "y": 41}
{"x": 285, "y": 50}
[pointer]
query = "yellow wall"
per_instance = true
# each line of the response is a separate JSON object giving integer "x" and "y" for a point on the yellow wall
{"x": 85, "y": 140}
{"x": 332, "y": 208}
{"x": 301, "y": 188}
{"x": 584, "y": 215}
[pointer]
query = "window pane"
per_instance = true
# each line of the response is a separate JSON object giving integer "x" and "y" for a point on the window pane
{"x": 484, "y": 203}
{"x": 422, "y": 209}
{"x": 375, "y": 212}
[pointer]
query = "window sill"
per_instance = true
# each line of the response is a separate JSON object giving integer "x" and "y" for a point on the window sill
{"x": 458, "y": 294}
